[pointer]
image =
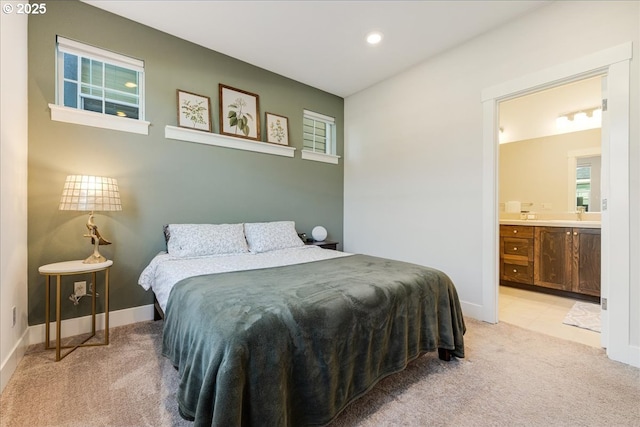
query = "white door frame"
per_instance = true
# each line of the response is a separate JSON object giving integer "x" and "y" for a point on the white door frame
{"x": 613, "y": 62}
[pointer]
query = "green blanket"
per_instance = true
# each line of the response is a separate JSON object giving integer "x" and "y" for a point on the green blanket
{"x": 294, "y": 345}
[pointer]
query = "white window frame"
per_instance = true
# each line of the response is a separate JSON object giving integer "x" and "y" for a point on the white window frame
{"x": 329, "y": 154}
{"x": 59, "y": 112}
{"x": 572, "y": 157}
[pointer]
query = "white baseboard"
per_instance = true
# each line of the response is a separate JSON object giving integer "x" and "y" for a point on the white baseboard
{"x": 471, "y": 310}
{"x": 70, "y": 327}
{"x": 82, "y": 325}
{"x": 10, "y": 364}
{"x": 630, "y": 357}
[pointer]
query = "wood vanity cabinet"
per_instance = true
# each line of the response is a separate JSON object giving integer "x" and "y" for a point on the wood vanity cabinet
{"x": 562, "y": 258}
{"x": 553, "y": 253}
{"x": 516, "y": 253}
{"x": 586, "y": 261}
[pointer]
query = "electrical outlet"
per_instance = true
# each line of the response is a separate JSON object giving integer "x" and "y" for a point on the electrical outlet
{"x": 80, "y": 288}
{"x": 13, "y": 310}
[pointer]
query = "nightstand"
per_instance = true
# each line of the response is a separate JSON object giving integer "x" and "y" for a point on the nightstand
{"x": 325, "y": 244}
{"x": 69, "y": 268}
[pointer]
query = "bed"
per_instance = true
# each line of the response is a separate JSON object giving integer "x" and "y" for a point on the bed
{"x": 265, "y": 330}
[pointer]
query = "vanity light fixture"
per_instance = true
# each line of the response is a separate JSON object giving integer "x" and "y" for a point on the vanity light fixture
{"x": 562, "y": 122}
{"x": 374, "y": 38}
{"x": 580, "y": 119}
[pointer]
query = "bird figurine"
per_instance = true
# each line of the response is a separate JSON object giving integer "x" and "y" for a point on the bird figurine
{"x": 96, "y": 241}
{"x": 94, "y": 233}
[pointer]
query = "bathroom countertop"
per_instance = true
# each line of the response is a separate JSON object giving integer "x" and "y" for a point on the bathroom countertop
{"x": 551, "y": 223}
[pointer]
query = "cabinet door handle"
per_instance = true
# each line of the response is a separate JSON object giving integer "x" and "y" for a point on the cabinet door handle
{"x": 515, "y": 271}
{"x": 568, "y": 232}
{"x": 575, "y": 233}
{"x": 515, "y": 249}
{"x": 515, "y": 231}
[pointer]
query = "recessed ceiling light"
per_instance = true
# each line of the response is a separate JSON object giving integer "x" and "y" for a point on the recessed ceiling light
{"x": 374, "y": 37}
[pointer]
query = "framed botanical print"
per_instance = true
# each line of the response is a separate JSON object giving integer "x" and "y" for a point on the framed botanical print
{"x": 277, "y": 129}
{"x": 239, "y": 113}
{"x": 194, "y": 111}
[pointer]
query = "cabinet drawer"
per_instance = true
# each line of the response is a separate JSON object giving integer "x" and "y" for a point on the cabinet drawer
{"x": 523, "y": 231}
{"x": 518, "y": 247}
{"x": 516, "y": 271}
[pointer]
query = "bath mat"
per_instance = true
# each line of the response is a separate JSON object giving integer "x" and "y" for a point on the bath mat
{"x": 584, "y": 315}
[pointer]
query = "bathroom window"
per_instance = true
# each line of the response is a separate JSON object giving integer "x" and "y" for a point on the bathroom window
{"x": 94, "y": 80}
{"x": 583, "y": 186}
{"x": 587, "y": 183}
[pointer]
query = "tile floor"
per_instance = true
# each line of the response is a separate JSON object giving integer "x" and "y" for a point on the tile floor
{"x": 542, "y": 313}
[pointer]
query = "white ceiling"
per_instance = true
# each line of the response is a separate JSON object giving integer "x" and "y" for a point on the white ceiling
{"x": 322, "y": 43}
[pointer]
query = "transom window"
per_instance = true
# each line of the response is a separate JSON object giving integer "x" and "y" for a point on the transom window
{"x": 318, "y": 133}
{"x": 100, "y": 81}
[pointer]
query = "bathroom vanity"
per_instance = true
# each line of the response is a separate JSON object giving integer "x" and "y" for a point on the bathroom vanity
{"x": 551, "y": 255}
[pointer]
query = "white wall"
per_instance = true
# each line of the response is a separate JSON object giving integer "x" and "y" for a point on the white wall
{"x": 413, "y": 144}
{"x": 13, "y": 197}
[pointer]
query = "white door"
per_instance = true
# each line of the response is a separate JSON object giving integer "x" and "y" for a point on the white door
{"x": 605, "y": 242}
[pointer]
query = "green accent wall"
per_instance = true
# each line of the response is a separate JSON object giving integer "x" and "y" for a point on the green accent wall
{"x": 161, "y": 180}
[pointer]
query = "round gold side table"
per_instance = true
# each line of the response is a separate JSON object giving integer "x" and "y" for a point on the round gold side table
{"x": 69, "y": 268}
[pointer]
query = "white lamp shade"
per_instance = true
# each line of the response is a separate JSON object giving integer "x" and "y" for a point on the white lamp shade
{"x": 90, "y": 193}
{"x": 319, "y": 233}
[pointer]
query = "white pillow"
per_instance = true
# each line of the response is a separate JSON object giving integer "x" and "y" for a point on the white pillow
{"x": 189, "y": 240}
{"x": 271, "y": 236}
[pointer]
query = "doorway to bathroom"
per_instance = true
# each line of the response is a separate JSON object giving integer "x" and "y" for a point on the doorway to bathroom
{"x": 549, "y": 189}
{"x": 614, "y": 62}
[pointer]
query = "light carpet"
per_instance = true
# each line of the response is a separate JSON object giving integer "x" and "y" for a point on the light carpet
{"x": 584, "y": 315}
{"x": 510, "y": 377}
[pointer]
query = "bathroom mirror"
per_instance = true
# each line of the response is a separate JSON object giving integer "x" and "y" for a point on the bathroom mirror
{"x": 548, "y": 174}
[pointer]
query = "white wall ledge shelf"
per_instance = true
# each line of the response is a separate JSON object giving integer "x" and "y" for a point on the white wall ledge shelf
{"x": 60, "y": 113}
{"x": 208, "y": 138}
{"x": 320, "y": 157}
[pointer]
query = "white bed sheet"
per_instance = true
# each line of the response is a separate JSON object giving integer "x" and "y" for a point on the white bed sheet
{"x": 164, "y": 270}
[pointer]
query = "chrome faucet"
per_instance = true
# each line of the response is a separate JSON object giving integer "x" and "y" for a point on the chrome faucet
{"x": 579, "y": 212}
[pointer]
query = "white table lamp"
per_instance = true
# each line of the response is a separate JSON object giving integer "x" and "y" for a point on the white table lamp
{"x": 91, "y": 193}
{"x": 319, "y": 233}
